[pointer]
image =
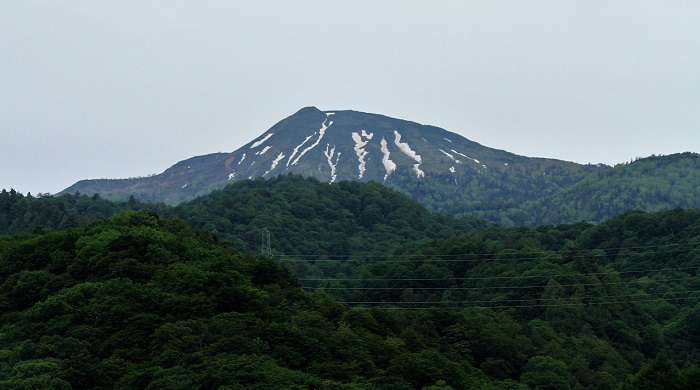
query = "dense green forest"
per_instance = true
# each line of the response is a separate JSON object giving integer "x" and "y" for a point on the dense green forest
{"x": 20, "y": 213}
{"x": 653, "y": 183}
{"x": 366, "y": 289}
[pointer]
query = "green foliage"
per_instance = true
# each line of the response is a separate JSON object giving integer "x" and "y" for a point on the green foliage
{"x": 19, "y": 213}
{"x": 138, "y": 302}
{"x": 142, "y": 300}
{"x": 337, "y": 226}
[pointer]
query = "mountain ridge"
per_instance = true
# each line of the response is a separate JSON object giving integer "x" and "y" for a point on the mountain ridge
{"x": 442, "y": 170}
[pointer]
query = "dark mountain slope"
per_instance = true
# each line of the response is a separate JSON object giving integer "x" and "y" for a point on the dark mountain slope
{"x": 441, "y": 170}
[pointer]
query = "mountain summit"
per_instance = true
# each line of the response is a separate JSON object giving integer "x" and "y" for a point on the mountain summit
{"x": 442, "y": 170}
{"x": 350, "y": 145}
{"x": 347, "y": 145}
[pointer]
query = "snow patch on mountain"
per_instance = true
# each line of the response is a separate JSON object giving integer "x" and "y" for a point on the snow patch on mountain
{"x": 360, "y": 149}
{"x": 231, "y": 175}
{"x": 406, "y": 149}
{"x": 296, "y": 149}
{"x": 447, "y": 140}
{"x": 262, "y": 141}
{"x": 261, "y": 152}
{"x": 419, "y": 173}
{"x": 242, "y": 158}
{"x": 329, "y": 156}
{"x": 464, "y": 155}
{"x": 450, "y": 156}
{"x": 274, "y": 163}
{"x": 321, "y": 132}
{"x": 453, "y": 170}
{"x": 389, "y": 165}
{"x": 277, "y": 160}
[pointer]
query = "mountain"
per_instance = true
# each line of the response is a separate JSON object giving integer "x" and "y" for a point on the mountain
{"x": 441, "y": 170}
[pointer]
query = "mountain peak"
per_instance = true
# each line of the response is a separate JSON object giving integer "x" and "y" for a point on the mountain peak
{"x": 307, "y": 110}
{"x": 442, "y": 170}
{"x": 343, "y": 145}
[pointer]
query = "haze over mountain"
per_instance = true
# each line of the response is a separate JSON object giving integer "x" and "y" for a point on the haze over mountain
{"x": 440, "y": 169}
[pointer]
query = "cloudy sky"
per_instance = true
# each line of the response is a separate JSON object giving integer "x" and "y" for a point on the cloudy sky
{"x": 114, "y": 89}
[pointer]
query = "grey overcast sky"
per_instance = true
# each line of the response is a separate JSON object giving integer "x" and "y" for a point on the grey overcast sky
{"x": 114, "y": 89}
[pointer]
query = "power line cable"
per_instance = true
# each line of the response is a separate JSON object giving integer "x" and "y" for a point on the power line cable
{"x": 544, "y": 252}
{"x": 390, "y": 305}
{"x": 623, "y": 283}
{"x": 503, "y": 277}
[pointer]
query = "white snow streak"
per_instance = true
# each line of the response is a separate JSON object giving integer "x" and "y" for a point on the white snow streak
{"x": 277, "y": 161}
{"x": 296, "y": 149}
{"x": 274, "y": 163}
{"x": 418, "y": 171}
{"x": 329, "y": 114}
{"x": 452, "y": 169}
{"x": 329, "y": 157}
{"x": 255, "y": 145}
{"x": 231, "y": 175}
{"x": 265, "y": 149}
{"x": 186, "y": 184}
{"x": 450, "y": 156}
{"x": 360, "y": 149}
{"x": 321, "y": 132}
{"x": 447, "y": 140}
{"x": 242, "y": 158}
{"x": 389, "y": 165}
{"x": 473, "y": 159}
{"x": 406, "y": 149}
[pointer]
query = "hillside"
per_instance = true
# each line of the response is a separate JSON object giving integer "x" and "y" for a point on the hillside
{"x": 441, "y": 170}
{"x": 311, "y": 218}
{"x": 137, "y": 301}
{"x": 651, "y": 184}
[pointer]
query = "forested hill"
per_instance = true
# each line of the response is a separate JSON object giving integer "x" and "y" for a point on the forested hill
{"x": 652, "y": 184}
{"x": 311, "y": 218}
{"x": 303, "y": 215}
{"x": 22, "y": 213}
{"x": 365, "y": 290}
{"x": 137, "y": 301}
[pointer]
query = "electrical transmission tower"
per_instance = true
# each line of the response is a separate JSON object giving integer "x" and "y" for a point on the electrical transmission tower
{"x": 266, "y": 250}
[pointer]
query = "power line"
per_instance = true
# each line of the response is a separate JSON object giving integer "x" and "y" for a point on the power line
{"x": 502, "y": 277}
{"x": 390, "y": 305}
{"x": 487, "y": 287}
{"x": 691, "y": 246}
{"x": 488, "y": 257}
{"x": 500, "y": 301}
